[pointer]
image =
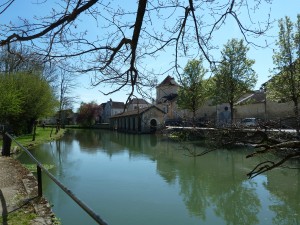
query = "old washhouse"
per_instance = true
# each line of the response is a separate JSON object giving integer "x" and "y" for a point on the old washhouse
{"x": 144, "y": 120}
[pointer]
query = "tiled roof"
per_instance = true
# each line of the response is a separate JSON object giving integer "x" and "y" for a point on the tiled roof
{"x": 254, "y": 97}
{"x": 138, "y": 101}
{"x": 117, "y": 105}
{"x": 136, "y": 112}
{"x": 168, "y": 81}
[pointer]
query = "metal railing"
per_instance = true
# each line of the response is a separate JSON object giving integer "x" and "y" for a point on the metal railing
{"x": 41, "y": 168}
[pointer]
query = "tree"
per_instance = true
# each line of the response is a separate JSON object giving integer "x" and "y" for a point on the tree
{"x": 234, "y": 76}
{"x": 88, "y": 113}
{"x": 192, "y": 92}
{"x": 10, "y": 99}
{"x": 65, "y": 86}
{"x": 119, "y": 41}
{"x": 24, "y": 60}
{"x": 29, "y": 96}
{"x": 285, "y": 85}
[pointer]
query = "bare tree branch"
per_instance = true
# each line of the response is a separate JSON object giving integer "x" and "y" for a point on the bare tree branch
{"x": 293, "y": 147}
{"x": 6, "y": 5}
{"x": 118, "y": 42}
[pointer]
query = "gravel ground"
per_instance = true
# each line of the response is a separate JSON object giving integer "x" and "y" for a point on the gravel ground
{"x": 18, "y": 191}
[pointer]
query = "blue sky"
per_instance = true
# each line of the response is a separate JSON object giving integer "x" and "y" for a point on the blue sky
{"x": 263, "y": 57}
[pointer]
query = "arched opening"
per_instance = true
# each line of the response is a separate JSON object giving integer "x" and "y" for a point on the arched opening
{"x": 153, "y": 125}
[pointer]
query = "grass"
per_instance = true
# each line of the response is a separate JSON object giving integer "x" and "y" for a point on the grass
{"x": 42, "y": 136}
{"x": 21, "y": 216}
{"x": 32, "y": 167}
{"x": 18, "y": 218}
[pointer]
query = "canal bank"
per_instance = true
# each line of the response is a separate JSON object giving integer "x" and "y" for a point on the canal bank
{"x": 20, "y": 203}
{"x": 19, "y": 199}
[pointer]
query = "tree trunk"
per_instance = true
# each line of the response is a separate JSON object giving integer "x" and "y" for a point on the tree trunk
{"x": 34, "y": 130}
{"x": 231, "y": 112}
{"x": 296, "y": 111}
{"x": 194, "y": 115}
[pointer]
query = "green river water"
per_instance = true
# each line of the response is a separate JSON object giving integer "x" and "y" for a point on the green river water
{"x": 150, "y": 180}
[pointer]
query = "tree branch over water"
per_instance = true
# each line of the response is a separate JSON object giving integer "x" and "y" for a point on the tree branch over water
{"x": 266, "y": 144}
{"x": 290, "y": 149}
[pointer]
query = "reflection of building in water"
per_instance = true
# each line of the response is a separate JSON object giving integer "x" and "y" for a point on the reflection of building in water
{"x": 284, "y": 185}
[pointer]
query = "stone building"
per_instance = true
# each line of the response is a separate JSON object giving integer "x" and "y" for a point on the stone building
{"x": 166, "y": 97}
{"x": 141, "y": 120}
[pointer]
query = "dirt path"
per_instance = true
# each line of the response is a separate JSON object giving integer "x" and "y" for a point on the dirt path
{"x": 18, "y": 196}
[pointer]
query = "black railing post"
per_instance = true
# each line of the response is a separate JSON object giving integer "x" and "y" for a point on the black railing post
{"x": 6, "y": 145}
{"x": 39, "y": 179}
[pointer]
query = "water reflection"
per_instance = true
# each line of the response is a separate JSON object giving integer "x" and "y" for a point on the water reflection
{"x": 213, "y": 188}
{"x": 285, "y": 187}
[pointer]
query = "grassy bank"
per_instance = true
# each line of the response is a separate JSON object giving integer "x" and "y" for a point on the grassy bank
{"x": 42, "y": 135}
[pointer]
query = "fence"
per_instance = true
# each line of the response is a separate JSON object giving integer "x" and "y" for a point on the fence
{"x": 7, "y": 139}
{"x": 271, "y": 122}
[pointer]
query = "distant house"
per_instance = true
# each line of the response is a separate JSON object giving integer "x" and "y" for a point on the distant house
{"x": 101, "y": 113}
{"x": 110, "y": 109}
{"x": 137, "y": 103}
{"x": 141, "y": 120}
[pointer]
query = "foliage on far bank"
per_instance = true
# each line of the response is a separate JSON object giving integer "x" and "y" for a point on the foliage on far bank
{"x": 88, "y": 113}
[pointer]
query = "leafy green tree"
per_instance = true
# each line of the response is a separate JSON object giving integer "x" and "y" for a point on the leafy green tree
{"x": 234, "y": 76}
{"x": 285, "y": 84}
{"x": 192, "y": 93}
{"x": 29, "y": 96}
{"x": 88, "y": 113}
{"x": 10, "y": 99}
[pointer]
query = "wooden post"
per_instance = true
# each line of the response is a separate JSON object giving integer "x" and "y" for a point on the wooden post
{"x": 39, "y": 179}
{"x": 6, "y": 145}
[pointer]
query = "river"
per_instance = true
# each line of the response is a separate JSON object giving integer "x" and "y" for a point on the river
{"x": 150, "y": 180}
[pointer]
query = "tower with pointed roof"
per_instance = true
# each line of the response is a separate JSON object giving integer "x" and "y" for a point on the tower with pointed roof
{"x": 166, "y": 96}
{"x": 167, "y": 90}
